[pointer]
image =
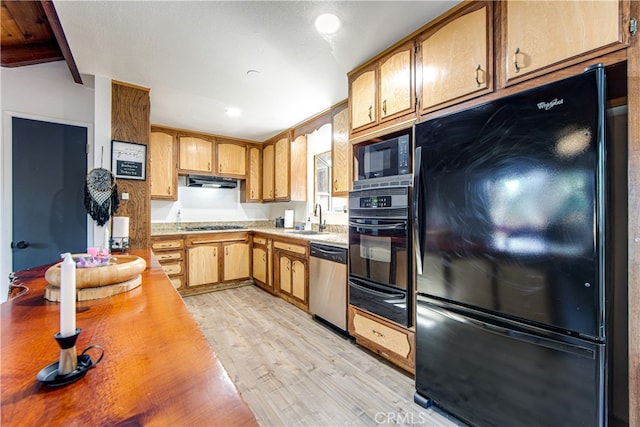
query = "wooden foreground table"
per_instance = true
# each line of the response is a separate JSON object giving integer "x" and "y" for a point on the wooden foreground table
{"x": 158, "y": 368}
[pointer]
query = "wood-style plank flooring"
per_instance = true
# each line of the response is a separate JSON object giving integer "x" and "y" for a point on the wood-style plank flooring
{"x": 294, "y": 371}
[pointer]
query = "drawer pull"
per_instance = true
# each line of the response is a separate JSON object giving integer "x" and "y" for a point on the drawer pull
{"x": 515, "y": 59}
{"x": 378, "y": 334}
{"x": 478, "y": 72}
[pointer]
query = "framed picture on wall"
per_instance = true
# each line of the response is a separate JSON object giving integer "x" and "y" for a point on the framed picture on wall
{"x": 129, "y": 160}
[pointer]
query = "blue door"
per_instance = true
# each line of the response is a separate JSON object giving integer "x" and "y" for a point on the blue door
{"x": 49, "y": 165}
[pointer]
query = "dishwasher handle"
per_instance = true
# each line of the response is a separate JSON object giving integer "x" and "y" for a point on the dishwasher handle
{"x": 330, "y": 253}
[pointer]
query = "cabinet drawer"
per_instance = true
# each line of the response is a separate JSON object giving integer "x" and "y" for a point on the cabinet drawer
{"x": 394, "y": 340}
{"x": 168, "y": 256}
{"x": 177, "y": 282}
{"x": 260, "y": 240}
{"x": 166, "y": 244}
{"x": 172, "y": 269}
{"x": 291, "y": 247}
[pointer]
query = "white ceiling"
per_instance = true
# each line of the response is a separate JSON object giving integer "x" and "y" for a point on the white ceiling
{"x": 194, "y": 55}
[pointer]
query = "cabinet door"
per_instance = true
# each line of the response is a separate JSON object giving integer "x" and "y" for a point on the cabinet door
{"x": 396, "y": 83}
{"x": 260, "y": 264}
{"x": 236, "y": 261}
{"x": 253, "y": 191}
{"x": 341, "y": 159}
{"x": 362, "y": 99}
{"x": 285, "y": 274}
{"x": 268, "y": 157}
{"x": 543, "y": 33}
{"x": 195, "y": 155}
{"x": 163, "y": 173}
{"x": 281, "y": 173}
{"x": 298, "y": 279}
{"x": 203, "y": 265}
{"x": 455, "y": 58}
{"x": 299, "y": 169}
{"x": 232, "y": 159}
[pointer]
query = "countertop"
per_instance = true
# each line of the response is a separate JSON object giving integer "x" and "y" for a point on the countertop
{"x": 328, "y": 237}
{"x": 158, "y": 367}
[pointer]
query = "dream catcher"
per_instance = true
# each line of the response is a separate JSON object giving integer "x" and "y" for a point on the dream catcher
{"x": 101, "y": 195}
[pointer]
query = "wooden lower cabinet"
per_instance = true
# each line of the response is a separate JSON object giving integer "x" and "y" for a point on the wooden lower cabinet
{"x": 387, "y": 339}
{"x": 170, "y": 254}
{"x": 262, "y": 262}
{"x": 236, "y": 261}
{"x": 291, "y": 279}
{"x": 216, "y": 260}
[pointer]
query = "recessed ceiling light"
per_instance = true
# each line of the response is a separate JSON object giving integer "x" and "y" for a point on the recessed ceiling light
{"x": 253, "y": 73}
{"x": 327, "y": 23}
{"x": 233, "y": 112}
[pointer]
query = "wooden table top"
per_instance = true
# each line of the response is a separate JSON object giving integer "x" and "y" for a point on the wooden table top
{"x": 158, "y": 368}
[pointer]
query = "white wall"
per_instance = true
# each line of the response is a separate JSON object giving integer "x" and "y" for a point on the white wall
{"x": 41, "y": 92}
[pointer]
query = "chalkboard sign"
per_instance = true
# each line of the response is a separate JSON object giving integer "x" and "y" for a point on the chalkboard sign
{"x": 129, "y": 160}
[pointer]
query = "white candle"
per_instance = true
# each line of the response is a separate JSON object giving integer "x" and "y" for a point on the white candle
{"x": 67, "y": 296}
{"x": 106, "y": 237}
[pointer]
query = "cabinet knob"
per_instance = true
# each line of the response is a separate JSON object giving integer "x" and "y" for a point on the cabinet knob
{"x": 168, "y": 190}
{"x": 384, "y": 107}
{"x": 370, "y": 116}
{"x": 378, "y": 334}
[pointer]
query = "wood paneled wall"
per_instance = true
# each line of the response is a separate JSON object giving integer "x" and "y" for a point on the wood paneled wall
{"x": 130, "y": 121}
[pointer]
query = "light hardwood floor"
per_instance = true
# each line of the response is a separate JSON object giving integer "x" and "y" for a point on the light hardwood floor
{"x": 293, "y": 371}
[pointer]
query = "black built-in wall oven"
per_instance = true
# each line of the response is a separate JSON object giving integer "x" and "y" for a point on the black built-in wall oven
{"x": 380, "y": 252}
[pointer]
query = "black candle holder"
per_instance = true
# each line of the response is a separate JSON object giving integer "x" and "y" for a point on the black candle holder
{"x": 70, "y": 367}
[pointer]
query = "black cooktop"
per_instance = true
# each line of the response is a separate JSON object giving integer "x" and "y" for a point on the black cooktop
{"x": 214, "y": 227}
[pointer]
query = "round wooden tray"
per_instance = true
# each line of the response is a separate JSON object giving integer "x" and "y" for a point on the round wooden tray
{"x": 120, "y": 269}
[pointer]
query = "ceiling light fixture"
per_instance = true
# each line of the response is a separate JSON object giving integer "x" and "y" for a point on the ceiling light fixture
{"x": 327, "y": 23}
{"x": 253, "y": 73}
{"x": 233, "y": 112}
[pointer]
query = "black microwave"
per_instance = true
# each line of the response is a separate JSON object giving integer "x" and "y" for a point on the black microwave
{"x": 389, "y": 157}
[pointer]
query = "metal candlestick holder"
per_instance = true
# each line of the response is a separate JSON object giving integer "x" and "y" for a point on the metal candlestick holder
{"x": 120, "y": 244}
{"x": 70, "y": 367}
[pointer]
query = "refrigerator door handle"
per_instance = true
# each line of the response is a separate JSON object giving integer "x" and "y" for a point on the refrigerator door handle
{"x": 514, "y": 334}
{"x": 416, "y": 215}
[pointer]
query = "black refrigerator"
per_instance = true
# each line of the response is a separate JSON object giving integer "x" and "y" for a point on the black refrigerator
{"x": 514, "y": 257}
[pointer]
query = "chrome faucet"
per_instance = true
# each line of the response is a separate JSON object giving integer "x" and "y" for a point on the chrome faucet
{"x": 318, "y": 212}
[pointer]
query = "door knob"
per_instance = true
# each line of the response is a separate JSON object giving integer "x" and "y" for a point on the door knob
{"x": 20, "y": 245}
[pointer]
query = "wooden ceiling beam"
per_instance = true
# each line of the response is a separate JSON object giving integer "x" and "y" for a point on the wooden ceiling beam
{"x": 56, "y": 27}
{"x": 17, "y": 56}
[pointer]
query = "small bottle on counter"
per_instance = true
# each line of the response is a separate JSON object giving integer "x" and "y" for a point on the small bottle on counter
{"x": 307, "y": 226}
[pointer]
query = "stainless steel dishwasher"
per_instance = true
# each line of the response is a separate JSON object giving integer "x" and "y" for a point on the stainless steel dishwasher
{"x": 328, "y": 284}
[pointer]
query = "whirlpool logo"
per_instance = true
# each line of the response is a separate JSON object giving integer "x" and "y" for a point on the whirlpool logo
{"x": 549, "y": 105}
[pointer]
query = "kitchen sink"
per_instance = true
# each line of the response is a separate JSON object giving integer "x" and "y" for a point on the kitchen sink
{"x": 304, "y": 232}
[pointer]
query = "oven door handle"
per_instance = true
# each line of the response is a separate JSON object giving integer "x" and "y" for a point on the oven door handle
{"x": 377, "y": 292}
{"x": 395, "y": 226}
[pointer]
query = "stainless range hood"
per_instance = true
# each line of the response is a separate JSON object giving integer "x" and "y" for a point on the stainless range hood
{"x": 211, "y": 181}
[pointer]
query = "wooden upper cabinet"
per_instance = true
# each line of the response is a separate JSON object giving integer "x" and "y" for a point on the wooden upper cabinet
{"x": 163, "y": 173}
{"x": 363, "y": 99}
{"x": 341, "y": 154}
{"x": 196, "y": 154}
{"x": 231, "y": 159}
{"x": 397, "y": 93}
{"x": 383, "y": 90}
{"x": 455, "y": 59}
{"x": 268, "y": 159}
{"x": 282, "y": 169}
{"x": 542, "y": 36}
{"x": 298, "y": 173}
{"x": 252, "y": 187}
